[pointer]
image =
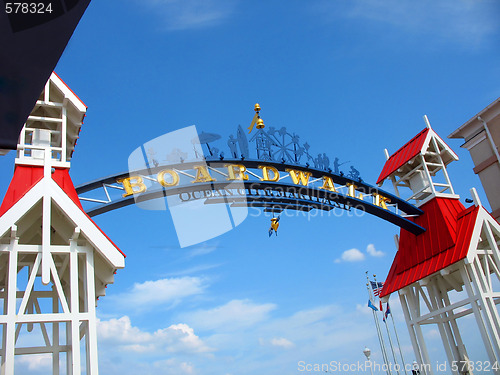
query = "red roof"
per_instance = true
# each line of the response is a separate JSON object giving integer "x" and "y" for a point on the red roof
{"x": 27, "y": 176}
{"x": 449, "y": 230}
{"x": 402, "y": 156}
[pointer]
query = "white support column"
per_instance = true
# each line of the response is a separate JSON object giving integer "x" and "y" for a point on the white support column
{"x": 443, "y": 326}
{"x": 22, "y": 141}
{"x": 10, "y": 326}
{"x": 428, "y": 174}
{"x": 454, "y": 326}
{"x": 495, "y": 252}
{"x": 92, "y": 366}
{"x": 483, "y": 274}
{"x": 46, "y": 237}
{"x": 69, "y": 353}
{"x": 479, "y": 318}
{"x": 55, "y": 334}
{"x": 443, "y": 167}
{"x": 456, "y": 335}
{"x": 404, "y": 296}
{"x": 64, "y": 125}
{"x": 75, "y": 313}
{"x": 395, "y": 186}
{"x": 490, "y": 318}
{"x": 46, "y": 93}
{"x": 4, "y": 338}
{"x": 31, "y": 281}
{"x": 414, "y": 305}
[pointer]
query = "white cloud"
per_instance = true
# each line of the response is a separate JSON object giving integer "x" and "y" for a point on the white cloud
{"x": 314, "y": 330}
{"x": 194, "y": 269}
{"x": 370, "y": 249}
{"x": 364, "y": 309}
{"x": 351, "y": 255}
{"x": 180, "y": 338}
{"x": 277, "y": 341}
{"x": 169, "y": 291}
{"x": 191, "y": 14}
{"x": 281, "y": 342}
{"x": 40, "y": 363}
{"x": 121, "y": 331}
{"x": 329, "y": 332}
{"x": 355, "y": 255}
{"x": 235, "y": 314}
{"x": 313, "y": 316}
{"x": 174, "y": 367}
{"x": 461, "y": 21}
{"x": 177, "y": 338}
{"x": 432, "y": 334}
{"x": 201, "y": 250}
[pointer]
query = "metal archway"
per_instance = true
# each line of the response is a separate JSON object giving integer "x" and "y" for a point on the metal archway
{"x": 270, "y": 185}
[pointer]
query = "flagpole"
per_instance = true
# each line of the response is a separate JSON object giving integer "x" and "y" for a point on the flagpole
{"x": 399, "y": 345}
{"x": 377, "y": 325}
{"x": 390, "y": 343}
{"x": 387, "y": 329}
{"x": 379, "y": 333}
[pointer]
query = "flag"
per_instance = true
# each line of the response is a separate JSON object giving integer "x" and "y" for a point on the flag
{"x": 381, "y": 308}
{"x": 371, "y": 305}
{"x": 377, "y": 287}
{"x": 387, "y": 311}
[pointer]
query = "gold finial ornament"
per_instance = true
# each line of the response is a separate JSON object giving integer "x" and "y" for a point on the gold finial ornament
{"x": 256, "y": 119}
{"x": 260, "y": 124}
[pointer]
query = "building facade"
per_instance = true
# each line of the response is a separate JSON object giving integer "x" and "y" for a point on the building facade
{"x": 482, "y": 139}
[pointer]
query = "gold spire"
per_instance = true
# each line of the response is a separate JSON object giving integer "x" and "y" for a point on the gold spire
{"x": 256, "y": 119}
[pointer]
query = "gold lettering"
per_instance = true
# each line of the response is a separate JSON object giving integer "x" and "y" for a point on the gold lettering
{"x": 202, "y": 174}
{"x": 380, "y": 201}
{"x": 299, "y": 176}
{"x": 130, "y": 184}
{"x": 236, "y": 172}
{"x": 265, "y": 173}
{"x": 173, "y": 174}
{"x": 328, "y": 184}
{"x": 352, "y": 191}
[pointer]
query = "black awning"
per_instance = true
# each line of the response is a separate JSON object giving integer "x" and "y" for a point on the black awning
{"x": 33, "y": 36}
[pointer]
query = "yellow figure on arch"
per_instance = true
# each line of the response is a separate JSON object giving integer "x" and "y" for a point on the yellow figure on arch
{"x": 274, "y": 225}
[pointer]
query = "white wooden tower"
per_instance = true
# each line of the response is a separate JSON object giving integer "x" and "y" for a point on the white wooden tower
{"x": 420, "y": 165}
{"x": 453, "y": 269}
{"x": 54, "y": 260}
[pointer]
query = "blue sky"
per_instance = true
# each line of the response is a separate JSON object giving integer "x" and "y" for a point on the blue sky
{"x": 352, "y": 78}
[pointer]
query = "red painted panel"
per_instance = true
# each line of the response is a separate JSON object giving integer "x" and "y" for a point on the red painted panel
{"x": 411, "y": 149}
{"x": 446, "y": 241}
{"x": 62, "y": 178}
{"x": 25, "y": 177}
